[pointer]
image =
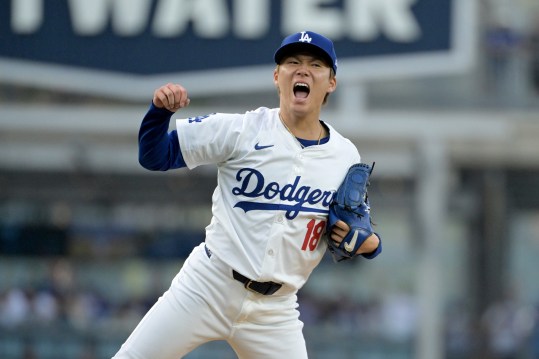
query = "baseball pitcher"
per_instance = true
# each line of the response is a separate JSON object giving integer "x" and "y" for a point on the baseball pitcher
{"x": 289, "y": 187}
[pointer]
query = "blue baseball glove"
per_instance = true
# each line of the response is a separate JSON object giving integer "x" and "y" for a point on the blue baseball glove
{"x": 351, "y": 205}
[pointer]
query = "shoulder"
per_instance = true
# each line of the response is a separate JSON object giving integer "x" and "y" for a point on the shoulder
{"x": 249, "y": 123}
{"x": 342, "y": 144}
{"x": 260, "y": 118}
{"x": 261, "y": 113}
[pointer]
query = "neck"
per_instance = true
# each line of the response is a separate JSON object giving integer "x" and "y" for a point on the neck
{"x": 307, "y": 128}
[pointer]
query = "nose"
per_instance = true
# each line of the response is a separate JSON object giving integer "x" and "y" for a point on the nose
{"x": 302, "y": 69}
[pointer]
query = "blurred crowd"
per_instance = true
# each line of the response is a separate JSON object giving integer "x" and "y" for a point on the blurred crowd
{"x": 61, "y": 304}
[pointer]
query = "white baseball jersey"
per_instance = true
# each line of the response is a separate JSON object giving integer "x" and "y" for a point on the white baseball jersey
{"x": 271, "y": 202}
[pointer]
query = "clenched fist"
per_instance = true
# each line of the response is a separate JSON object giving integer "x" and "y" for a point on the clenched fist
{"x": 171, "y": 96}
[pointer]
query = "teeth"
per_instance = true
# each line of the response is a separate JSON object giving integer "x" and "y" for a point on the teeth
{"x": 301, "y": 84}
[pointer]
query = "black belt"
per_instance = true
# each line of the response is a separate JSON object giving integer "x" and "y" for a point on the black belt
{"x": 264, "y": 288}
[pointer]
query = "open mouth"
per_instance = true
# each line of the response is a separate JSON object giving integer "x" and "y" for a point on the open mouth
{"x": 301, "y": 90}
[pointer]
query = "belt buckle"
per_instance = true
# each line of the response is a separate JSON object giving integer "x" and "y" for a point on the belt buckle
{"x": 247, "y": 286}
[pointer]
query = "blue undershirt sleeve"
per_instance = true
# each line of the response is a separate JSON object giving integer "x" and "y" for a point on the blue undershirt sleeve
{"x": 159, "y": 150}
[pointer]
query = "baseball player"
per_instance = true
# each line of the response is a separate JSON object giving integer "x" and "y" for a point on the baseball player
{"x": 278, "y": 171}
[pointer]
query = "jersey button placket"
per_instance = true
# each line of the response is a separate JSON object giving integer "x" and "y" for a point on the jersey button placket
{"x": 268, "y": 263}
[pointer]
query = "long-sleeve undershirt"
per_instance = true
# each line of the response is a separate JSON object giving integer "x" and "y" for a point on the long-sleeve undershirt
{"x": 159, "y": 150}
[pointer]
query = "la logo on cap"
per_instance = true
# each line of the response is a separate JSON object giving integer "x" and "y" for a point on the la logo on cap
{"x": 305, "y": 37}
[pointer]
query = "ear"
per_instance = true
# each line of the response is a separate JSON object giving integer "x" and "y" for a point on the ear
{"x": 332, "y": 84}
{"x": 276, "y": 76}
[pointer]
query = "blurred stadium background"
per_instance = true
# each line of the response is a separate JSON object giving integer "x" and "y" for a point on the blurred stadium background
{"x": 89, "y": 240}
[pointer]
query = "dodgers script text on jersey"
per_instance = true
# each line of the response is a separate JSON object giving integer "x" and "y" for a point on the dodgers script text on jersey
{"x": 252, "y": 185}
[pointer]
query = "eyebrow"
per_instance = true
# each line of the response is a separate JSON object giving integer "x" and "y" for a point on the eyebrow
{"x": 307, "y": 54}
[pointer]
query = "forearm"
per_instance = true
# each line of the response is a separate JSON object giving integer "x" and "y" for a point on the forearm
{"x": 158, "y": 149}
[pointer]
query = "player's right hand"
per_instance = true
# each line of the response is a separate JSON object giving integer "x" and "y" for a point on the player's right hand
{"x": 171, "y": 96}
{"x": 341, "y": 230}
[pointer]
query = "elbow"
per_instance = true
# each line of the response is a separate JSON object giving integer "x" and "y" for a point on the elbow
{"x": 144, "y": 164}
{"x": 149, "y": 164}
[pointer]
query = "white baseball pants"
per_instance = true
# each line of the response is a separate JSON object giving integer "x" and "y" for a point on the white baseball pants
{"x": 205, "y": 303}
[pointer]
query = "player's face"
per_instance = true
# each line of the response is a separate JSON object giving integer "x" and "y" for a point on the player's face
{"x": 303, "y": 80}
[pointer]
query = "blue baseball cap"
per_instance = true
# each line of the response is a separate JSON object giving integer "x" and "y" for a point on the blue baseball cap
{"x": 310, "y": 42}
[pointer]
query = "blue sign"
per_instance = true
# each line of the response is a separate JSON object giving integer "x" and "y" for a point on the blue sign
{"x": 158, "y": 37}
